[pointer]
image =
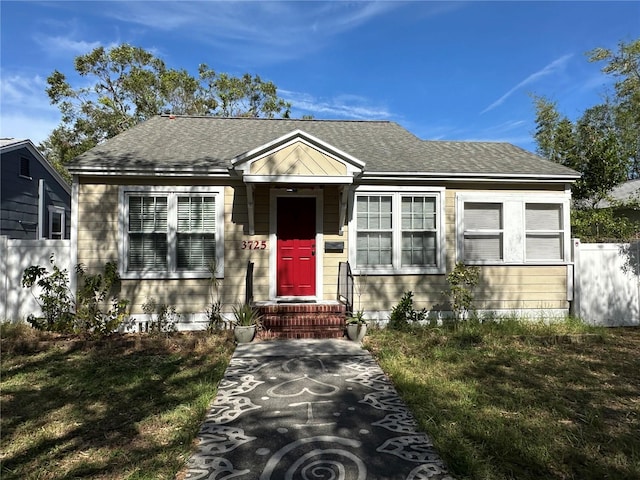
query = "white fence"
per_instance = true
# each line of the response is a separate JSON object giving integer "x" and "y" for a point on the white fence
{"x": 607, "y": 283}
{"x": 16, "y": 303}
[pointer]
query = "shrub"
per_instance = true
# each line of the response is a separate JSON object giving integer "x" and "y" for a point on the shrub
{"x": 404, "y": 312}
{"x": 92, "y": 293}
{"x": 164, "y": 318}
{"x": 462, "y": 279}
{"x": 61, "y": 311}
{"x": 56, "y": 301}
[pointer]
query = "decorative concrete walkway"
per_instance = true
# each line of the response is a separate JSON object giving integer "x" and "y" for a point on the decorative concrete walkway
{"x": 310, "y": 410}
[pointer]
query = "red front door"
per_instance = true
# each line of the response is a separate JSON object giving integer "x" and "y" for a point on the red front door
{"x": 296, "y": 246}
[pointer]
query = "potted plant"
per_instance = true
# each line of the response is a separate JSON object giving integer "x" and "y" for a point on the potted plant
{"x": 356, "y": 327}
{"x": 246, "y": 322}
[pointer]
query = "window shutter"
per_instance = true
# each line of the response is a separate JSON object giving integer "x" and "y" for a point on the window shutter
{"x": 483, "y": 237}
{"x": 544, "y": 231}
{"x": 482, "y": 216}
{"x": 544, "y": 246}
{"x": 483, "y": 247}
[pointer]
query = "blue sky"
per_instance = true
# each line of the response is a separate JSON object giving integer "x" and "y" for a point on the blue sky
{"x": 443, "y": 70}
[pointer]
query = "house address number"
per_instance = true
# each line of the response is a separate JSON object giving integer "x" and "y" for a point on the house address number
{"x": 254, "y": 244}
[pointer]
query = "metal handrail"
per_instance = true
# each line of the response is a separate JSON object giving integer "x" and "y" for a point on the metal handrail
{"x": 249, "y": 284}
{"x": 345, "y": 286}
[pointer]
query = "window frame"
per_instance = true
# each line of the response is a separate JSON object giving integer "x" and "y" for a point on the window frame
{"x": 514, "y": 225}
{"x": 486, "y": 232}
{"x": 549, "y": 232}
{"x": 172, "y": 194}
{"x": 56, "y": 210}
{"x": 25, "y": 161}
{"x": 396, "y": 194}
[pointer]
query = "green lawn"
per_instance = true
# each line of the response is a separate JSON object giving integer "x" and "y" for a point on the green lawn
{"x": 518, "y": 402}
{"x": 126, "y": 407}
{"x": 509, "y": 401}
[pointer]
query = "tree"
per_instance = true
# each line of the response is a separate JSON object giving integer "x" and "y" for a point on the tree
{"x": 130, "y": 85}
{"x": 246, "y": 96}
{"x": 625, "y": 66}
{"x": 604, "y": 143}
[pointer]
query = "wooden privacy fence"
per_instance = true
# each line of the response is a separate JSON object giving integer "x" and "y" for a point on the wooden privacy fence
{"x": 16, "y": 303}
{"x": 607, "y": 283}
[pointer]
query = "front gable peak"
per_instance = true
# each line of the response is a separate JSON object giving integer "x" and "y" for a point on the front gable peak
{"x": 297, "y": 157}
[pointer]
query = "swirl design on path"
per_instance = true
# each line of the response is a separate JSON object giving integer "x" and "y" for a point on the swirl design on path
{"x": 327, "y": 462}
{"x": 206, "y": 467}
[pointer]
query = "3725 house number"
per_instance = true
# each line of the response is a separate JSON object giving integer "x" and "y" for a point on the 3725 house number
{"x": 254, "y": 244}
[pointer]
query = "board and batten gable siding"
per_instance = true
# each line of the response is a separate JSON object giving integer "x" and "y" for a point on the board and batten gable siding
{"x": 297, "y": 159}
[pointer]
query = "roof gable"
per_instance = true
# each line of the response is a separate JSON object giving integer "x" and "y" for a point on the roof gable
{"x": 11, "y": 144}
{"x": 295, "y": 157}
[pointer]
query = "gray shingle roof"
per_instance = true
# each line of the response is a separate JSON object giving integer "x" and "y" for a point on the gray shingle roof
{"x": 625, "y": 192}
{"x": 211, "y": 143}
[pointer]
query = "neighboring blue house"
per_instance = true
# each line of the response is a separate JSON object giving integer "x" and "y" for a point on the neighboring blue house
{"x": 35, "y": 201}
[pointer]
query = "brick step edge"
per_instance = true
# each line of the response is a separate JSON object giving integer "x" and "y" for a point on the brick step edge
{"x": 307, "y": 334}
{"x": 302, "y": 308}
{"x": 303, "y": 322}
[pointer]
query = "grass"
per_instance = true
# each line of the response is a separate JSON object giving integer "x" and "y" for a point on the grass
{"x": 506, "y": 400}
{"x": 513, "y": 400}
{"x": 125, "y": 407}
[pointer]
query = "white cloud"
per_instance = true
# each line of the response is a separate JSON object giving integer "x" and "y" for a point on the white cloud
{"x": 547, "y": 70}
{"x": 273, "y": 30}
{"x": 26, "y": 112}
{"x": 342, "y": 106}
{"x": 61, "y": 46}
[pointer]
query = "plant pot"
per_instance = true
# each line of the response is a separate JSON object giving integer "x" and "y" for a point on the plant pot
{"x": 356, "y": 331}
{"x": 244, "y": 334}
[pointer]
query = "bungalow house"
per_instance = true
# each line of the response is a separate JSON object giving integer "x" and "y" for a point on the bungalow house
{"x": 282, "y": 205}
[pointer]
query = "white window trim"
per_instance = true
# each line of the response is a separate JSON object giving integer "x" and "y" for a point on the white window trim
{"x": 52, "y": 210}
{"x": 123, "y": 246}
{"x": 513, "y": 225}
{"x": 397, "y": 193}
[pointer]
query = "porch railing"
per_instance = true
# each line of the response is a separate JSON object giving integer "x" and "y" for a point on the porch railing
{"x": 249, "y": 284}
{"x": 345, "y": 286}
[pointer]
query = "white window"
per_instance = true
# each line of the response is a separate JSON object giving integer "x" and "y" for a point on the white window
{"x": 56, "y": 222}
{"x": 483, "y": 231}
{"x": 419, "y": 231}
{"x": 397, "y": 232}
{"x": 375, "y": 230}
{"x": 544, "y": 231}
{"x": 511, "y": 229}
{"x": 171, "y": 233}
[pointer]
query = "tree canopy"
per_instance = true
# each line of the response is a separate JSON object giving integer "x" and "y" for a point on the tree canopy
{"x": 603, "y": 144}
{"x": 129, "y": 84}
